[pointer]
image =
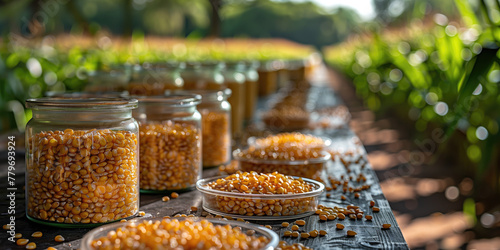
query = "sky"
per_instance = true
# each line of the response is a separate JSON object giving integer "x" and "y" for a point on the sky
{"x": 363, "y": 7}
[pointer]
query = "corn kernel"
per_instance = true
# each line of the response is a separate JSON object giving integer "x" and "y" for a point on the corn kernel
{"x": 37, "y": 234}
{"x": 31, "y": 245}
{"x": 59, "y": 238}
{"x": 22, "y": 242}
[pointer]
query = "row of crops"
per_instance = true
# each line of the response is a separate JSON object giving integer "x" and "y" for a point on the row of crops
{"x": 29, "y": 69}
{"x": 437, "y": 75}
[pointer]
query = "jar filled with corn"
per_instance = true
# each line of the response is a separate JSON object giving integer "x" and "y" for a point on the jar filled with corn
{"x": 203, "y": 75}
{"x": 234, "y": 77}
{"x": 154, "y": 79}
{"x": 251, "y": 88}
{"x": 82, "y": 161}
{"x": 170, "y": 142}
{"x": 216, "y": 125}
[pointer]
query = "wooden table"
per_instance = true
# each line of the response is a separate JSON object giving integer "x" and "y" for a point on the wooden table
{"x": 369, "y": 234}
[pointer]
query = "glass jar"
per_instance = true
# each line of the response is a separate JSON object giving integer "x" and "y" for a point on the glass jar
{"x": 203, "y": 75}
{"x": 170, "y": 142}
{"x": 296, "y": 70}
{"x": 234, "y": 77}
{"x": 105, "y": 80}
{"x": 251, "y": 88}
{"x": 82, "y": 171}
{"x": 216, "y": 125}
{"x": 155, "y": 79}
{"x": 268, "y": 77}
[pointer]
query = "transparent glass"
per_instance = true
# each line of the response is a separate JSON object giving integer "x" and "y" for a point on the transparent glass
{"x": 105, "y": 80}
{"x": 296, "y": 70}
{"x": 251, "y": 88}
{"x": 203, "y": 75}
{"x": 82, "y": 161}
{"x": 170, "y": 142}
{"x": 281, "y": 206}
{"x": 234, "y": 77}
{"x": 268, "y": 76}
{"x": 216, "y": 125}
{"x": 104, "y": 231}
{"x": 155, "y": 79}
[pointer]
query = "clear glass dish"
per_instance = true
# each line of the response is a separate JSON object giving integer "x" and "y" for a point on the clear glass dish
{"x": 312, "y": 168}
{"x": 104, "y": 230}
{"x": 282, "y": 206}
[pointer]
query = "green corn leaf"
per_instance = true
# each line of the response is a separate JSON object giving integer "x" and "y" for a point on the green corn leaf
{"x": 476, "y": 70}
{"x": 479, "y": 67}
{"x": 467, "y": 12}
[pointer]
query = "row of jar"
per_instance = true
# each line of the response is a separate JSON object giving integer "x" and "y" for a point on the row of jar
{"x": 84, "y": 155}
{"x": 246, "y": 79}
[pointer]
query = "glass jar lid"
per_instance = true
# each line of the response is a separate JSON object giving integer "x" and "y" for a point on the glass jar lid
{"x": 205, "y": 94}
{"x": 175, "y": 100}
{"x": 75, "y": 103}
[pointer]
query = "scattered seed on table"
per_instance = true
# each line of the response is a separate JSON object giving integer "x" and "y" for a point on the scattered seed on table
{"x": 314, "y": 233}
{"x": 386, "y": 226}
{"x": 341, "y": 216}
{"x": 343, "y": 198}
{"x": 356, "y": 195}
{"x": 332, "y": 217}
{"x": 285, "y": 224}
{"x": 174, "y": 195}
{"x": 194, "y": 209}
{"x": 269, "y": 226}
{"x": 304, "y": 235}
{"x": 351, "y": 233}
{"x": 368, "y": 217}
{"x": 37, "y": 234}
{"x": 359, "y": 216}
{"x": 6, "y": 227}
{"x": 141, "y": 213}
{"x": 328, "y": 189}
{"x": 165, "y": 198}
{"x": 18, "y": 235}
{"x": 352, "y": 216}
{"x": 323, "y": 232}
{"x": 31, "y": 245}
{"x": 59, "y": 238}
{"x": 287, "y": 233}
{"x": 51, "y": 248}
{"x": 323, "y": 217}
{"x": 295, "y": 228}
{"x": 328, "y": 195}
{"x": 300, "y": 222}
{"x": 372, "y": 203}
{"x": 339, "y": 226}
{"x": 295, "y": 234}
{"x": 22, "y": 242}
{"x": 375, "y": 209}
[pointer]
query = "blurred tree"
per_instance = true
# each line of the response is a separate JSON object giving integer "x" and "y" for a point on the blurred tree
{"x": 303, "y": 22}
{"x": 400, "y": 12}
